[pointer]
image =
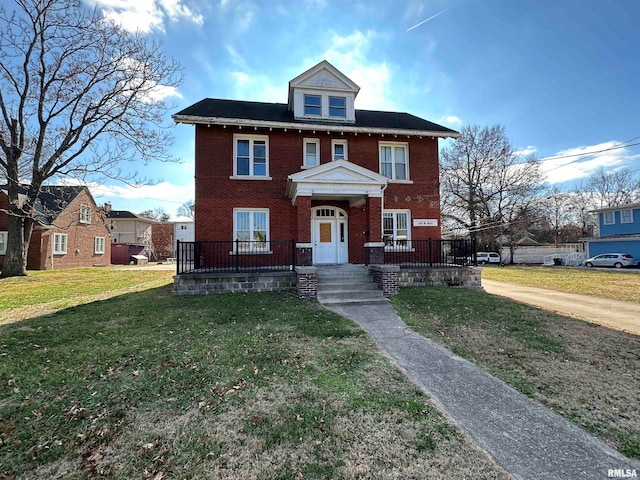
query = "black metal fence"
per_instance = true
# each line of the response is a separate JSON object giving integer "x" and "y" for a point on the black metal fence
{"x": 280, "y": 255}
{"x": 235, "y": 256}
{"x": 429, "y": 253}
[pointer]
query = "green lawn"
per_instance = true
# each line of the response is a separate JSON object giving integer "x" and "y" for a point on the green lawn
{"x": 611, "y": 284}
{"x": 147, "y": 385}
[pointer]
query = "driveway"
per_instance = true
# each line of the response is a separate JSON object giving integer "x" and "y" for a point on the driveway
{"x": 611, "y": 313}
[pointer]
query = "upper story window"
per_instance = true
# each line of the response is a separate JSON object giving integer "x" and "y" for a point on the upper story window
{"x": 337, "y": 107}
{"x": 313, "y": 105}
{"x": 626, "y": 216}
{"x": 608, "y": 218}
{"x": 339, "y": 150}
{"x": 251, "y": 156}
{"x": 311, "y": 152}
{"x": 3, "y": 243}
{"x": 394, "y": 160}
{"x": 59, "y": 243}
{"x": 85, "y": 214}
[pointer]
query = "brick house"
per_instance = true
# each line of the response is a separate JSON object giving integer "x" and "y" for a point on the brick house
{"x": 70, "y": 231}
{"x": 345, "y": 185}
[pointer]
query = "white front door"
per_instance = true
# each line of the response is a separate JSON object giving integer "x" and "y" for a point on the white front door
{"x": 329, "y": 236}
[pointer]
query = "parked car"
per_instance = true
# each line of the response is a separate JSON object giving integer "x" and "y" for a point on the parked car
{"x": 617, "y": 260}
{"x": 485, "y": 258}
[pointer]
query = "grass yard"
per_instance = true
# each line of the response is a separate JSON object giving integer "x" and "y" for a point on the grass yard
{"x": 585, "y": 372}
{"x": 147, "y": 385}
{"x": 613, "y": 284}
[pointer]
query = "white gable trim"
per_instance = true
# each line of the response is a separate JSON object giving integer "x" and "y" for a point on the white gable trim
{"x": 339, "y": 179}
{"x": 324, "y": 76}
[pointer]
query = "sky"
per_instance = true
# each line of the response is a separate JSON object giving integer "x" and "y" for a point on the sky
{"x": 562, "y": 76}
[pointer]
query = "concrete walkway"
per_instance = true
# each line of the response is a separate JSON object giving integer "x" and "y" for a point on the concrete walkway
{"x": 611, "y": 313}
{"x": 528, "y": 440}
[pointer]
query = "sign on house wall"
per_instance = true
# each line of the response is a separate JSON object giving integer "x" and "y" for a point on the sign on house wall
{"x": 425, "y": 222}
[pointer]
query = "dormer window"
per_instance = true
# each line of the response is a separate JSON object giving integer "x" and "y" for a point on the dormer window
{"x": 313, "y": 105}
{"x": 337, "y": 107}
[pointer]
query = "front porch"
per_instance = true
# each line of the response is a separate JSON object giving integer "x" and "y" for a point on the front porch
{"x": 243, "y": 266}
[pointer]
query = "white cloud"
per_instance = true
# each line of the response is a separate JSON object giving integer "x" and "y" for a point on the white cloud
{"x": 146, "y": 15}
{"x": 581, "y": 162}
{"x": 530, "y": 150}
{"x": 451, "y": 120}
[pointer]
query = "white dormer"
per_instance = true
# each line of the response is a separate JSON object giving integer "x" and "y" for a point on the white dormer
{"x": 323, "y": 93}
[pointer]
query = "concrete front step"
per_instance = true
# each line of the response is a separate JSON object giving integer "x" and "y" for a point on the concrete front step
{"x": 342, "y": 284}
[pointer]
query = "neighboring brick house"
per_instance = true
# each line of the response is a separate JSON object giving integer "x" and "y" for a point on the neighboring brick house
{"x": 619, "y": 231}
{"x": 346, "y": 184}
{"x": 70, "y": 230}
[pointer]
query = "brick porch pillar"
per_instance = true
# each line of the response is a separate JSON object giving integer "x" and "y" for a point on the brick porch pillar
{"x": 304, "y": 252}
{"x": 374, "y": 247}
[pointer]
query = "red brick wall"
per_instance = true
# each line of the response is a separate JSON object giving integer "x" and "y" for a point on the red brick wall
{"x": 80, "y": 238}
{"x": 217, "y": 194}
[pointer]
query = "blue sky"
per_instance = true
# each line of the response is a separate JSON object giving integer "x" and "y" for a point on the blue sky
{"x": 562, "y": 76}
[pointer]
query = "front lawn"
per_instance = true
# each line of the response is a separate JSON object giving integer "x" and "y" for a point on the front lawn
{"x": 585, "y": 372}
{"x": 265, "y": 386}
{"x": 613, "y": 284}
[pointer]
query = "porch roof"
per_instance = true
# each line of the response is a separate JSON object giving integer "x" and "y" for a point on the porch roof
{"x": 337, "y": 180}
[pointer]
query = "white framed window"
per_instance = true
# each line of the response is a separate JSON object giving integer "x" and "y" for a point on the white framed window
{"x": 339, "y": 150}
{"x": 312, "y": 105}
{"x": 337, "y": 107}
{"x": 251, "y": 156}
{"x": 85, "y": 214}
{"x": 626, "y": 215}
{"x": 59, "y": 243}
{"x": 394, "y": 160}
{"x": 608, "y": 218}
{"x": 251, "y": 229}
{"x": 98, "y": 243}
{"x": 311, "y": 152}
{"x": 395, "y": 228}
{"x": 3, "y": 243}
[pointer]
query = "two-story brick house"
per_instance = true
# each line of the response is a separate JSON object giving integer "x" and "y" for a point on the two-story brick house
{"x": 619, "y": 231}
{"x": 70, "y": 230}
{"x": 344, "y": 183}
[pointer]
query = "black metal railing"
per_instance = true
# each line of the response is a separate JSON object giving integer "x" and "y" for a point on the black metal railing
{"x": 235, "y": 256}
{"x": 432, "y": 253}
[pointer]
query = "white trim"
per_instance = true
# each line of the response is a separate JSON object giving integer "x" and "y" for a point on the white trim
{"x": 85, "y": 214}
{"x": 305, "y": 142}
{"x": 374, "y": 244}
{"x": 395, "y": 228}
{"x": 251, "y": 210}
{"x": 3, "y": 242}
{"x": 393, "y": 146}
{"x": 335, "y": 142}
{"x": 96, "y": 249}
{"x": 246, "y": 177}
{"x": 630, "y": 210}
{"x": 320, "y": 127}
{"x": 613, "y": 217}
{"x": 251, "y": 139}
{"x": 57, "y": 247}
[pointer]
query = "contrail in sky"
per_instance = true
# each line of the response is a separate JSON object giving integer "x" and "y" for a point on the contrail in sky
{"x": 430, "y": 18}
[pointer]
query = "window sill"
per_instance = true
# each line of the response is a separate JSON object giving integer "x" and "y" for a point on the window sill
{"x": 252, "y": 252}
{"x": 408, "y": 182}
{"x": 307, "y": 167}
{"x": 248, "y": 177}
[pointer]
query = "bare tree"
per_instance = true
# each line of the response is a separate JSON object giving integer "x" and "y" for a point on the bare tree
{"x": 612, "y": 189}
{"x": 157, "y": 215}
{"x": 79, "y": 96}
{"x": 484, "y": 183}
{"x": 186, "y": 209}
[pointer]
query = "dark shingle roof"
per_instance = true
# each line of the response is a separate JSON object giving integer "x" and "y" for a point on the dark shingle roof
{"x": 120, "y": 214}
{"x": 279, "y": 112}
{"x": 51, "y": 201}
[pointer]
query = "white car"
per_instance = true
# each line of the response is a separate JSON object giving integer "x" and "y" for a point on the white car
{"x": 617, "y": 260}
{"x": 485, "y": 258}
